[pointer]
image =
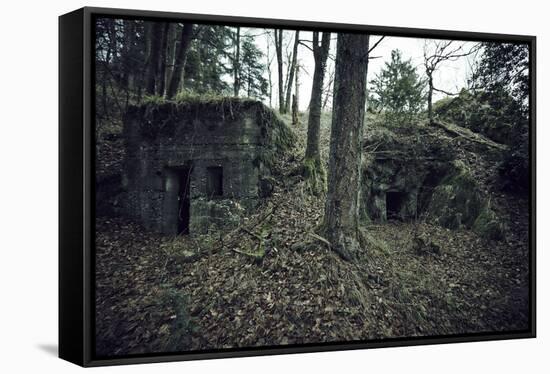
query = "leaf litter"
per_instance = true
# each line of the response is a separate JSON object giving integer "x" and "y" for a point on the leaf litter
{"x": 218, "y": 291}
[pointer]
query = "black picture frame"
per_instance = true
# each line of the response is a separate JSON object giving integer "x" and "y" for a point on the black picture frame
{"x": 76, "y": 186}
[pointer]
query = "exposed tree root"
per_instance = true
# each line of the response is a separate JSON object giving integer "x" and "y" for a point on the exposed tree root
{"x": 315, "y": 176}
{"x": 469, "y": 135}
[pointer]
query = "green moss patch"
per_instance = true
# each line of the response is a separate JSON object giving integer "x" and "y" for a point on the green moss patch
{"x": 315, "y": 176}
{"x": 456, "y": 201}
{"x": 488, "y": 225}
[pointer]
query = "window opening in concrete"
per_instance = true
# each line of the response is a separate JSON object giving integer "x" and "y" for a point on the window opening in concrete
{"x": 214, "y": 181}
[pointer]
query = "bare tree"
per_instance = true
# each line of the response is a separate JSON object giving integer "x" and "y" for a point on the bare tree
{"x": 269, "y": 61}
{"x": 313, "y": 168}
{"x": 437, "y": 52}
{"x": 291, "y": 70}
{"x": 341, "y": 222}
{"x": 327, "y": 91}
{"x": 161, "y": 77}
{"x": 236, "y": 63}
{"x": 180, "y": 58}
{"x": 173, "y": 37}
{"x": 154, "y": 44}
{"x": 297, "y": 83}
{"x": 296, "y": 98}
{"x": 129, "y": 32}
{"x": 279, "y": 54}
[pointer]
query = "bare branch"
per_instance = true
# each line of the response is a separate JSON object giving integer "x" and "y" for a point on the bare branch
{"x": 445, "y": 92}
{"x": 302, "y": 42}
{"x": 376, "y": 44}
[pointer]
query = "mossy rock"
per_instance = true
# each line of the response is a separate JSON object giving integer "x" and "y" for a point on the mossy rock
{"x": 488, "y": 225}
{"x": 488, "y": 113}
{"x": 456, "y": 202}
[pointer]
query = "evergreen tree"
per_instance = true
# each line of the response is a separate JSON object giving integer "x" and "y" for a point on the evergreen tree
{"x": 207, "y": 61}
{"x": 397, "y": 90}
{"x": 252, "y": 70}
{"x": 504, "y": 68}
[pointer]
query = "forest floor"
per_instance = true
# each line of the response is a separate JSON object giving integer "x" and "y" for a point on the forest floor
{"x": 158, "y": 294}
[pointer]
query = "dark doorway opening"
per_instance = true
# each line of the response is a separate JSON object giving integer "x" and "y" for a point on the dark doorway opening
{"x": 184, "y": 202}
{"x": 394, "y": 203}
{"x": 214, "y": 181}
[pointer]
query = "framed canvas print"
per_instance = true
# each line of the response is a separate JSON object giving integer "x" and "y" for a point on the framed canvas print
{"x": 236, "y": 186}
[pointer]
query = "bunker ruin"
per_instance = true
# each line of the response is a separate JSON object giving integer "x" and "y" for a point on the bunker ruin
{"x": 418, "y": 172}
{"x": 194, "y": 166}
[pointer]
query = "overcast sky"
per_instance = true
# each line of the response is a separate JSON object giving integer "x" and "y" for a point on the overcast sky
{"x": 451, "y": 76}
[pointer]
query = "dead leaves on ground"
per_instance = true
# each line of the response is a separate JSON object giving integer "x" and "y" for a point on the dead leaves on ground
{"x": 149, "y": 299}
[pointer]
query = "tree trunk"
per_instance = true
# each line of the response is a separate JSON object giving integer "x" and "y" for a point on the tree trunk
{"x": 328, "y": 89}
{"x": 313, "y": 170}
{"x": 153, "y": 46}
{"x": 269, "y": 80}
{"x": 126, "y": 52}
{"x": 297, "y": 86}
{"x": 161, "y": 77}
{"x": 179, "y": 64}
{"x": 292, "y": 71}
{"x": 279, "y": 54}
{"x": 430, "y": 95}
{"x": 105, "y": 78}
{"x": 295, "y": 119}
{"x": 237, "y": 64}
{"x": 173, "y": 37}
{"x": 341, "y": 220}
{"x": 320, "y": 54}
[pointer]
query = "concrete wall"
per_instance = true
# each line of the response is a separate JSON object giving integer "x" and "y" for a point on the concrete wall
{"x": 160, "y": 139}
{"x": 391, "y": 175}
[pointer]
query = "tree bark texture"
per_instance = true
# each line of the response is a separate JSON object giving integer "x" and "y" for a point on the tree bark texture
{"x": 181, "y": 57}
{"x": 161, "y": 77}
{"x": 430, "y": 98}
{"x": 292, "y": 70}
{"x": 279, "y": 56}
{"x": 320, "y": 54}
{"x": 344, "y": 174}
{"x": 153, "y": 47}
{"x": 236, "y": 64}
{"x": 295, "y": 114}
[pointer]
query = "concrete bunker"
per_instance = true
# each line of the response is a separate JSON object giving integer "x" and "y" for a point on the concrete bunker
{"x": 416, "y": 172}
{"x": 194, "y": 166}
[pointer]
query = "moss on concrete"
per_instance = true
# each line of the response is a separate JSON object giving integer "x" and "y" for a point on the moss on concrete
{"x": 456, "y": 202}
{"x": 488, "y": 225}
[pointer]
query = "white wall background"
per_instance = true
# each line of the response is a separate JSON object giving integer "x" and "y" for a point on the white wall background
{"x": 28, "y": 188}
